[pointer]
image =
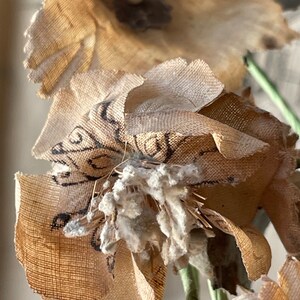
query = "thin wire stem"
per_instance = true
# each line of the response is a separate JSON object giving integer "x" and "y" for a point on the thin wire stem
{"x": 190, "y": 281}
{"x": 217, "y": 294}
{"x": 271, "y": 90}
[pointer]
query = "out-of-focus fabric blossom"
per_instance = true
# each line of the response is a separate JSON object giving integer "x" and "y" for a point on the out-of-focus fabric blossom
{"x": 153, "y": 170}
{"x": 74, "y": 36}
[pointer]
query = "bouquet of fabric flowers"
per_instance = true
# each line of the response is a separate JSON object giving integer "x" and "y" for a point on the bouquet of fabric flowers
{"x": 158, "y": 156}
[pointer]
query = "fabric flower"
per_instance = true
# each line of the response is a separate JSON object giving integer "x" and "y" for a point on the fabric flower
{"x": 74, "y": 36}
{"x": 152, "y": 170}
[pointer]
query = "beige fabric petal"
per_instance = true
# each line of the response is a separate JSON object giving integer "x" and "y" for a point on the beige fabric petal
{"x": 129, "y": 285}
{"x": 71, "y": 36}
{"x": 239, "y": 202}
{"x": 95, "y": 145}
{"x": 281, "y": 202}
{"x": 271, "y": 291}
{"x": 234, "y": 111}
{"x": 56, "y": 267}
{"x": 288, "y": 287}
{"x": 231, "y": 143}
{"x": 176, "y": 149}
{"x": 255, "y": 250}
{"x": 70, "y": 105}
{"x": 175, "y": 85}
{"x": 67, "y": 268}
{"x": 150, "y": 277}
{"x": 220, "y": 118}
{"x": 289, "y": 278}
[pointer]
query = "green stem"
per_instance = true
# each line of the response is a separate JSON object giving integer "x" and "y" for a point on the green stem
{"x": 270, "y": 88}
{"x": 217, "y": 294}
{"x": 190, "y": 280}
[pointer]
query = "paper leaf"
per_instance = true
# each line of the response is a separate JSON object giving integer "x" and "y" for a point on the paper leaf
{"x": 73, "y": 36}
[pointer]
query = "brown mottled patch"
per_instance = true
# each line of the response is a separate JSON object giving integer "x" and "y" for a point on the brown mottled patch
{"x": 269, "y": 42}
{"x": 144, "y": 14}
{"x": 110, "y": 261}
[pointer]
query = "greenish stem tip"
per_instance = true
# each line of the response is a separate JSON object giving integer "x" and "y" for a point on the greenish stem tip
{"x": 271, "y": 90}
{"x": 190, "y": 280}
{"x": 218, "y": 294}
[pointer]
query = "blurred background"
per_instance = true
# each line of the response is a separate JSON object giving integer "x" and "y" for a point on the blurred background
{"x": 22, "y": 116}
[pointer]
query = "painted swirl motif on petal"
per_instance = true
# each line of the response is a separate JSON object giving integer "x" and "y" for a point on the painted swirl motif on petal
{"x": 93, "y": 148}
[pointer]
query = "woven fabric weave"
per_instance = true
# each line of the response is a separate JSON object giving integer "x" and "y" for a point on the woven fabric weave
{"x": 242, "y": 153}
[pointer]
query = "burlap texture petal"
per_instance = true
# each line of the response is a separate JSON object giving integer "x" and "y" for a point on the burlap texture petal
{"x": 175, "y": 85}
{"x": 281, "y": 201}
{"x": 289, "y": 277}
{"x": 239, "y": 203}
{"x": 70, "y": 105}
{"x": 71, "y": 36}
{"x": 55, "y": 266}
{"x": 95, "y": 145}
{"x": 233, "y": 144}
{"x": 62, "y": 268}
{"x": 271, "y": 291}
{"x": 287, "y": 288}
{"x": 255, "y": 250}
{"x": 150, "y": 277}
